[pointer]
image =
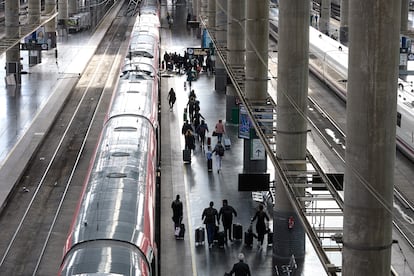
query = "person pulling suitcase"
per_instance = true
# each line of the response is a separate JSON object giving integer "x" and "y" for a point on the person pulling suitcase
{"x": 226, "y": 213}
{"x": 177, "y": 207}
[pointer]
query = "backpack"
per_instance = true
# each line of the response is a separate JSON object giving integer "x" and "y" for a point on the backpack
{"x": 220, "y": 150}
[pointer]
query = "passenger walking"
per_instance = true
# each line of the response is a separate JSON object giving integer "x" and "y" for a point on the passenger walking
{"x": 197, "y": 118}
{"x": 186, "y": 126}
{"x": 226, "y": 213}
{"x": 241, "y": 268}
{"x": 201, "y": 132}
{"x": 189, "y": 140}
{"x": 177, "y": 207}
{"x": 209, "y": 217}
{"x": 219, "y": 150}
{"x": 191, "y": 105}
{"x": 171, "y": 98}
{"x": 219, "y": 129}
{"x": 260, "y": 225}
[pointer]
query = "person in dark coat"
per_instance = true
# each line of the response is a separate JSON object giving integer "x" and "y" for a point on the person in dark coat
{"x": 171, "y": 98}
{"x": 226, "y": 213}
{"x": 209, "y": 217}
{"x": 189, "y": 140}
{"x": 186, "y": 126}
{"x": 240, "y": 268}
{"x": 197, "y": 118}
{"x": 177, "y": 207}
{"x": 201, "y": 131}
{"x": 260, "y": 224}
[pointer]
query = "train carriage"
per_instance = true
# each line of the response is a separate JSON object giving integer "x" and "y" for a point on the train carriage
{"x": 114, "y": 227}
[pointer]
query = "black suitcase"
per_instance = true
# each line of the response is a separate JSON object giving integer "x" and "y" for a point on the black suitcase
{"x": 221, "y": 236}
{"x": 181, "y": 232}
{"x": 227, "y": 143}
{"x": 269, "y": 238}
{"x": 199, "y": 235}
{"x": 237, "y": 231}
{"x": 187, "y": 155}
{"x": 210, "y": 165}
{"x": 215, "y": 236}
{"x": 248, "y": 239}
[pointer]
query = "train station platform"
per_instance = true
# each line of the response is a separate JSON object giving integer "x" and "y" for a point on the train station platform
{"x": 27, "y": 113}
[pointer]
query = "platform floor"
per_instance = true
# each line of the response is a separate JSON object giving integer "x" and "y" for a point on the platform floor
{"x": 43, "y": 91}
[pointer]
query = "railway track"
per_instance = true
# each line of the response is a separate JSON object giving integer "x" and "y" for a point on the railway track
{"x": 334, "y": 137}
{"x": 36, "y": 221}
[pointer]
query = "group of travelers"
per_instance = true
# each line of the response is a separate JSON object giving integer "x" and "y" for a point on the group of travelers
{"x": 197, "y": 125}
{"x": 210, "y": 215}
{"x": 186, "y": 63}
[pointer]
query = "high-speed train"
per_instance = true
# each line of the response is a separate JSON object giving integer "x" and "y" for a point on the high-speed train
{"x": 114, "y": 227}
{"x": 329, "y": 61}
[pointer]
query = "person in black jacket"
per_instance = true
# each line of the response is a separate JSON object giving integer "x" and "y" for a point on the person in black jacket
{"x": 226, "y": 213}
{"x": 186, "y": 126}
{"x": 177, "y": 207}
{"x": 240, "y": 268}
{"x": 209, "y": 218}
{"x": 189, "y": 140}
{"x": 260, "y": 225}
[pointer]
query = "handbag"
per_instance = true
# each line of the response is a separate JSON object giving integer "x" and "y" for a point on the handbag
{"x": 214, "y": 133}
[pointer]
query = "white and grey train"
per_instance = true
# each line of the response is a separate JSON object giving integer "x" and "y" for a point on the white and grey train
{"x": 331, "y": 65}
{"x": 114, "y": 230}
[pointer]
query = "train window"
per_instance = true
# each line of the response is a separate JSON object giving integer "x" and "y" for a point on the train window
{"x": 399, "y": 119}
{"x": 116, "y": 175}
{"x": 123, "y": 128}
{"x": 120, "y": 154}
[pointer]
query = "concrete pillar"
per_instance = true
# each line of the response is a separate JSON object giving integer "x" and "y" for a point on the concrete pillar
{"x": 292, "y": 92}
{"x": 221, "y": 38}
{"x": 211, "y": 14}
{"x": 236, "y": 19}
{"x": 203, "y": 10}
{"x": 11, "y": 22}
{"x": 63, "y": 10}
{"x": 72, "y": 7}
{"x": 50, "y": 27}
{"x": 257, "y": 38}
{"x": 33, "y": 9}
{"x": 370, "y": 143}
{"x": 325, "y": 16}
{"x": 195, "y": 8}
{"x": 257, "y": 52}
{"x": 343, "y": 29}
{"x": 404, "y": 16}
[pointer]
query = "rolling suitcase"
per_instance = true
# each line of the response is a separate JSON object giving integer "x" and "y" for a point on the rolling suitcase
{"x": 209, "y": 161}
{"x": 215, "y": 236}
{"x": 187, "y": 155}
{"x": 199, "y": 235}
{"x": 221, "y": 236}
{"x": 237, "y": 231}
{"x": 180, "y": 231}
{"x": 248, "y": 239}
{"x": 227, "y": 143}
{"x": 210, "y": 165}
{"x": 269, "y": 238}
{"x": 209, "y": 141}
